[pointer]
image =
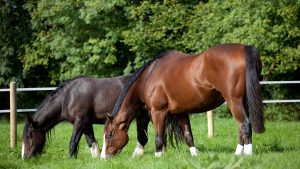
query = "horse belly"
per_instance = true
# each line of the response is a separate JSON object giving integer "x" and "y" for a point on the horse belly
{"x": 197, "y": 103}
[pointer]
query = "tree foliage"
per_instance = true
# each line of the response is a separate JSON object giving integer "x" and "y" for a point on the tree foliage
{"x": 48, "y": 41}
{"x": 106, "y": 38}
{"x": 77, "y": 37}
{"x": 14, "y": 32}
{"x": 271, "y": 26}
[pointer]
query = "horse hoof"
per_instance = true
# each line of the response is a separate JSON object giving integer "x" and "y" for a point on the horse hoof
{"x": 194, "y": 151}
{"x": 248, "y": 149}
{"x": 94, "y": 150}
{"x": 138, "y": 151}
{"x": 158, "y": 154}
{"x": 239, "y": 149}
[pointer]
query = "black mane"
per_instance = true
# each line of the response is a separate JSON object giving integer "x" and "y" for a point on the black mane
{"x": 131, "y": 79}
{"x": 57, "y": 92}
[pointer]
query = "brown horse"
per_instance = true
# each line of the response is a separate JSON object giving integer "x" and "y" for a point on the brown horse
{"x": 176, "y": 83}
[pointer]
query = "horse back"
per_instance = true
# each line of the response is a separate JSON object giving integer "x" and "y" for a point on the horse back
{"x": 91, "y": 98}
{"x": 180, "y": 82}
{"x": 171, "y": 83}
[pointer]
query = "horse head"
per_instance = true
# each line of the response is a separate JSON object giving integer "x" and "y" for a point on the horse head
{"x": 33, "y": 139}
{"x": 116, "y": 136}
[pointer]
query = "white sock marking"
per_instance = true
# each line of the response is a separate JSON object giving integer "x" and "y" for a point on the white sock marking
{"x": 95, "y": 150}
{"x": 239, "y": 149}
{"x": 160, "y": 153}
{"x": 194, "y": 151}
{"x": 23, "y": 150}
{"x": 248, "y": 149}
{"x": 139, "y": 150}
{"x": 103, "y": 152}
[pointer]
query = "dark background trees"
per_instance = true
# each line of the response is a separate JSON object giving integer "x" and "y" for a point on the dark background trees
{"x": 46, "y": 42}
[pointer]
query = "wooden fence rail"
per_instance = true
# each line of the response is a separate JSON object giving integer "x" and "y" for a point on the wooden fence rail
{"x": 13, "y": 107}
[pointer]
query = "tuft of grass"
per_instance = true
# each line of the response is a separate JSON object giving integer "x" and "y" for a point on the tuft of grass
{"x": 278, "y": 148}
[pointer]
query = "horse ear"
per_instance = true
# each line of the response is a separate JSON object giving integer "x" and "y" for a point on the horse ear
{"x": 109, "y": 117}
{"x": 28, "y": 119}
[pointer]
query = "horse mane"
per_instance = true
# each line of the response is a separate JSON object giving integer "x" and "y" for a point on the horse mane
{"x": 131, "y": 79}
{"x": 54, "y": 94}
{"x": 57, "y": 92}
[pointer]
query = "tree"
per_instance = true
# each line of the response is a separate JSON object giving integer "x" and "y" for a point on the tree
{"x": 77, "y": 37}
{"x": 271, "y": 26}
{"x": 15, "y": 32}
{"x": 45, "y": 41}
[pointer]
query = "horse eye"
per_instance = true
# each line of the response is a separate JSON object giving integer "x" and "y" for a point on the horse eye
{"x": 109, "y": 135}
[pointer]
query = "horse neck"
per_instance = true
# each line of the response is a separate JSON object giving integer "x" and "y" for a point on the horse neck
{"x": 129, "y": 109}
{"x": 48, "y": 116}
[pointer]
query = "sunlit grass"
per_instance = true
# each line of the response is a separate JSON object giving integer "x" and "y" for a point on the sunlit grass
{"x": 278, "y": 147}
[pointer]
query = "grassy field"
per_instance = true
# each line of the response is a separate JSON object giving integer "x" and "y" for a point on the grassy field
{"x": 278, "y": 147}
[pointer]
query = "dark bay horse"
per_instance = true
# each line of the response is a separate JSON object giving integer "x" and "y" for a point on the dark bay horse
{"x": 83, "y": 101}
{"x": 176, "y": 83}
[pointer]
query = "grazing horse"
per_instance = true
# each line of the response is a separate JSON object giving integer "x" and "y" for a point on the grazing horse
{"x": 83, "y": 101}
{"x": 176, "y": 83}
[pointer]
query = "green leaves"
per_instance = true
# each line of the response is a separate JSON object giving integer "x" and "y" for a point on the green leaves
{"x": 74, "y": 37}
{"x": 14, "y": 32}
{"x": 271, "y": 26}
{"x": 108, "y": 38}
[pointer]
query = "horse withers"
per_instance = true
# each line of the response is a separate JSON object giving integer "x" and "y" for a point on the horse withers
{"x": 83, "y": 101}
{"x": 176, "y": 83}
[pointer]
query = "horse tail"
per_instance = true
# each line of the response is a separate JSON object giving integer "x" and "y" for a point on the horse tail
{"x": 173, "y": 130}
{"x": 253, "y": 99}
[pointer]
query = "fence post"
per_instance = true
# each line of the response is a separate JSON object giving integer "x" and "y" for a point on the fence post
{"x": 210, "y": 124}
{"x": 13, "y": 117}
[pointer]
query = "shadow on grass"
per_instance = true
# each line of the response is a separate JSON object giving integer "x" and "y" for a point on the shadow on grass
{"x": 219, "y": 149}
{"x": 5, "y": 165}
{"x": 275, "y": 147}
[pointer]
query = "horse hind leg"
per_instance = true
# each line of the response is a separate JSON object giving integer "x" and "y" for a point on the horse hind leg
{"x": 244, "y": 132}
{"x": 91, "y": 141}
{"x": 184, "y": 123}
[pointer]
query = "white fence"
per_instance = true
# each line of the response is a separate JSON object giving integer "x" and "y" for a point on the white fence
{"x": 53, "y": 88}
{"x": 13, "y": 106}
{"x": 26, "y": 90}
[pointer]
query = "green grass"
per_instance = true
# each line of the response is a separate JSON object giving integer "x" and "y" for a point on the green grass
{"x": 278, "y": 147}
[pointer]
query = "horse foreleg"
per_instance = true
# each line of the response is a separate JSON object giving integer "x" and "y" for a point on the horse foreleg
{"x": 184, "y": 122}
{"x": 159, "y": 122}
{"x": 76, "y": 135}
{"x": 142, "y": 121}
{"x": 91, "y": 141}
